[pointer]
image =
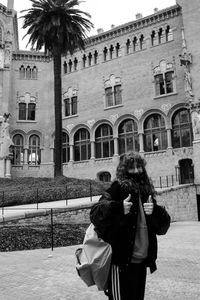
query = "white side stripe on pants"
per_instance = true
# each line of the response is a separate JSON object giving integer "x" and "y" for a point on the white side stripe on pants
{"x": 115, "y": 282}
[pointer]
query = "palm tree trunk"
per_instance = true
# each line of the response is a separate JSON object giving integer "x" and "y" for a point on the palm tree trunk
{"x": 58, "y": 114}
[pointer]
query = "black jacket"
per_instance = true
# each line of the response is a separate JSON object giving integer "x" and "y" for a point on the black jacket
{"x": 119, "y": 230}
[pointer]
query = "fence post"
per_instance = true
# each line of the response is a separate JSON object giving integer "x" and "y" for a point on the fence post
{"x": 160, "y": 182}
{"x": 37, "y": 198}
{"x": 66, "y": 194}
{"x": 52, "y": 241}
{"x": 90, "y": 191}
{"x": 3, "y": 204}
{"x": 172, "y": 180}
{"x": 167, "y": 180}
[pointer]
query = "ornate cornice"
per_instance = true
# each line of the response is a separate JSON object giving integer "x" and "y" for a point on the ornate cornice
{"x": 5, "y": 10}
{"x": 132, "y": 26}
{"x": 31, "y": 56}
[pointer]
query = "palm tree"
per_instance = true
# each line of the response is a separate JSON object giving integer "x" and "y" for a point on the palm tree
{"x": 60, "y": 27}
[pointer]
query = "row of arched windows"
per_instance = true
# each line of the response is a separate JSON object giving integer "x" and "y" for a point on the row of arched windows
{"x": 28, "y": 72}
{"x": 154, "y": 139}
{"x": 137, "y": 43}
{"x": 34, "y": 152}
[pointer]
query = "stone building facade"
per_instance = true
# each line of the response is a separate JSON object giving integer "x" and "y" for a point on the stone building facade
{"x": 135, "y": 87}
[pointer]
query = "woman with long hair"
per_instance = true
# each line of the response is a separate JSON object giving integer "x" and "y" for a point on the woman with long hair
{"x": 128, "y": 217}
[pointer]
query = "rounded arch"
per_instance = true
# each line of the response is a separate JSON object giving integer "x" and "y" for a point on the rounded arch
{"x": 182, "y": 134}
{"x": 147, "y": 114}
{"x": 120, "y": 120}
{"x": 38, "y": 133}
{"x": 104, "y": 142}
{"x": 76, "y": 128}
{"x": 155, "y": 133}
{"x": 82, "y": 144}
{"x": 97, "y": 124}
{"x": 22, "y": 133}
{"x": 173, "y": 110}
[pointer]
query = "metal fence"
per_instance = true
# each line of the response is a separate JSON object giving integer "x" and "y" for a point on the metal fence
{"x": 40, "y": 231}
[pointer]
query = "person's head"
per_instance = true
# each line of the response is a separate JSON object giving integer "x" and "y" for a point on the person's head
{"x": 131, "y": 165}
{"x": 131, "y": 168}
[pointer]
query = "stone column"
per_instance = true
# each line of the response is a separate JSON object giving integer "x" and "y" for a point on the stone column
{"x": 92, "y": 150}
{"x": 169, "y": 138}
{"x": 25, "y": 155}
{"x": 71, "y": 153}
{"x": 116, "y": 147}
{"x": 141, "y": 141}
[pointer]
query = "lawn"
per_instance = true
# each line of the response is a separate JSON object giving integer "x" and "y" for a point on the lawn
{"x": 35, "y": 190}
{"x": 32, "y": 234}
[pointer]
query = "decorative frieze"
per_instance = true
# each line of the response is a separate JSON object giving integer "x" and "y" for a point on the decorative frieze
{"x": 31, "y": 56}
{"x": 160, "y": 16}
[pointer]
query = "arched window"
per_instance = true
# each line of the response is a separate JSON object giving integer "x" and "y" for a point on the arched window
{"x": 155, "y": 134}
{"x": 89, "y": 59}
{"x": 65, "y": 67}
{"x": 22, "y": 72}
{"x": 18, "y": 149}
{"x": 105, "y": 177}
{"x": 84, "y": 60}
{"x": 75, "y": 63}
{"x": 28, "y": 72}
{"x": 160, "y": 36}
{"x": 153, "y": 38}
{"x": 70, "y": 66}
{"x": 95, "y": 57}
{"x": 34, "y": 153}
{"x": 135, "y": 44}
{"x": 34, "y": 72}
{"x": 128, "y": 43}
{"x": 82, "y": 146}
{"x": 111, "y": 50}
{"x": 65, "y": 148}
{"x": 128, "y": 136}
{"x": 168, "y": 34}
{"x": 181, "y": 129}
{"x": 117, "y": 49}
{"x": 141, "y": 42}
{"x": 105, "y": 52}
{"x": 104, "y": 143}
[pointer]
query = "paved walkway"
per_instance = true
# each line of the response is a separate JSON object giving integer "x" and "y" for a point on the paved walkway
{"x": 46, "y": 275}
{"x": 21, "y": 210}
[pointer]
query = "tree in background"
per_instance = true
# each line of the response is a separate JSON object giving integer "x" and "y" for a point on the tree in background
{"x": 60, "y": 27}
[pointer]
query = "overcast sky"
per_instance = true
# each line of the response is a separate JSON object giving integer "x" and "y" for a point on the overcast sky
{"x": 104, "y": 12}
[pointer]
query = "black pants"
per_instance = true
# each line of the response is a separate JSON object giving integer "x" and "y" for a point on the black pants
{"x": 127, "y": 283}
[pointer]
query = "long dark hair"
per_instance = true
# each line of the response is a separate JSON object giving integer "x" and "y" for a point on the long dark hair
{"x": 128, "y": 161}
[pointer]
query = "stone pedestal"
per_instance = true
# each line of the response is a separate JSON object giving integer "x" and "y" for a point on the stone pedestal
{"x": 8, "y": 168}
{"x": 2, "y": 168}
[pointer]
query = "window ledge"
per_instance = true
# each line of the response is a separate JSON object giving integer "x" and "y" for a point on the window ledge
{"x": 69, "y": 117}
{"x": 166, "y": 42}
{"x": 165, "y": 95}
{"x": 114, "y": 106}
{"x": 26, "y": 121}
{"x": 28, "y": 78}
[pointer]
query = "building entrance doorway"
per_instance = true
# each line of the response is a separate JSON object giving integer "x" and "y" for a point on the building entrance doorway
{"x": 186, "y": 171}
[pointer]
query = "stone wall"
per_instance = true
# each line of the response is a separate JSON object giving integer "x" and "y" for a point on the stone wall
{"x": 179, "y": 201}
